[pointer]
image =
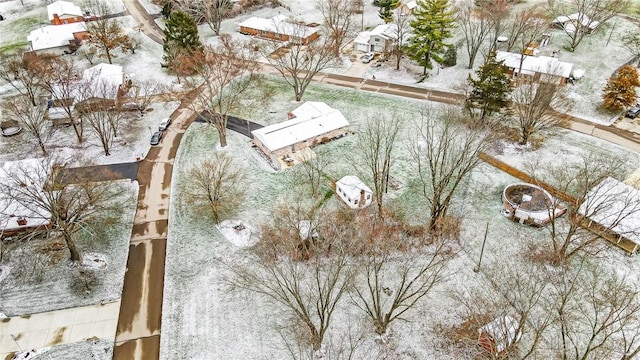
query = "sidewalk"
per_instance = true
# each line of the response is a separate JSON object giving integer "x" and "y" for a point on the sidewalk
{"x": 57, "y": 327}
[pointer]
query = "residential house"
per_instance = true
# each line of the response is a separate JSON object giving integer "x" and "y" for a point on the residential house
{"x": 575, "y": 21}
{"x": 310, "y": 124}
{"x": 57, "y": 38}
{"x": 540, "y": 68}
{"x": 613, "y": 212}
{"x": 64, "y": 12}
{"x": 99, "y": 87}
{"x": 15, "y": 217}
{"x": 354, "y": 192}
{"x": 279, "y": 28}
{"x": 379, "y": 40}
{"x": 407, "y": 7}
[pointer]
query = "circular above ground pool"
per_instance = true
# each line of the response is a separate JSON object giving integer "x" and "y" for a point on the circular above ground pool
{"x": 527, "y": 197}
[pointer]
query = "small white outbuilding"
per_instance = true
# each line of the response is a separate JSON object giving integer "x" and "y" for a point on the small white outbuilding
{"x": 354, "y": 192}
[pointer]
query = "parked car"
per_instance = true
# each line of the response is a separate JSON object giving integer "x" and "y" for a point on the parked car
{"x": 164, "y": 124}
{"x": 156, "y": 137}
{"x": 633, "y": 112}
{"x": 366, "y": 58}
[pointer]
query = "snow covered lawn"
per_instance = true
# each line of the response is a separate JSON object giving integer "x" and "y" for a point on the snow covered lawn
{"x": 202, "y": 321}
{"x": 39, "y": 278}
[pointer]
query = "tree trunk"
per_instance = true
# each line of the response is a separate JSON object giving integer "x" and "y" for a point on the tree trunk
{"x": 78, "y": 131}
{"x": 74, "y": 253}
{"x": 106, "y": 51}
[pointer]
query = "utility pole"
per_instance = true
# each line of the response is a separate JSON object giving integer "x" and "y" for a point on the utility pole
{"x": 486, "y": 231}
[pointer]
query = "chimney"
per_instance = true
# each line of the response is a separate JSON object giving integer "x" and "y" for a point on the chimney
{"x": 56, "y": 20}
{"x": 361, "y": 202}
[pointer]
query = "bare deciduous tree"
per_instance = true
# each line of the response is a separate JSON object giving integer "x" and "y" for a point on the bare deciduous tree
{"x": 104, "y": 125}
{"x": 65, "y": 88}
{"x": 31, "y": 119}
{"x": 533, "y": 105}
{"x": 227, "y": 71}
{"x": 307, "y": 280}
{"x": 509, "y": 288}
{"x": 498, "y": 11}
{"x": 391, "y": 284}
{"x": 215, "y": 185}
{"x": 401, "y": 22}
{"x": 106, "y": 34}
{"x": 23, "y": 75}
{"x": 211, "y": 12}
{"x": 337, "y": 15}
{"x": 376, "y": 144}
{"x": 568, "y": 236}
{"x": 313, "y": 171}
{"x": 476, "y": 24}
{"x": 527, "y": 28}
{"x": 444, "y": 153}
{"x": 70, "y": 204}
{"x": 299, "y": 63}
{"x": 590, "y": 15}
{"x": 594, "y": 309}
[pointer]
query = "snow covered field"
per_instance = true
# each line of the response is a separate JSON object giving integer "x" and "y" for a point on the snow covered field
{"x": 203, "y": 321}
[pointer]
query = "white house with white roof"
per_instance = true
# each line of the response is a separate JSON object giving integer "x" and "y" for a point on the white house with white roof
{"x": 105, "y": 79}
{"x": 16, "y": 217}
{"x": 378, "y": 40}
{"x": 541, "y": 68}
{"x": 56, "y": 38}
{"x": 570, "y": 23}
{"x": 64, "y": 12}
{"x": 613, "y": 210}
{"x": 310, "y": 124}
{"x": 279, "y": 28}
{"x": 354, "y": 192}
{"x": 102, "y": 81}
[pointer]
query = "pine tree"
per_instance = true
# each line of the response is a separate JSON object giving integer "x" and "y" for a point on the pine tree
{"x": 386, "y": 9}
{"x": 180, "y": 36}
{"x": 431, "y": 26}
{"x": 620, "y": 90}
{"x": 489, "y": 92}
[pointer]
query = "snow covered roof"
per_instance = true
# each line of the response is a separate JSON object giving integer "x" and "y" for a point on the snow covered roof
{"x": 616, "y": 206}
{"x": 363, "y": 37}
{"x": 411, "y": 4}
{"x": 352, "y": 185}
{"x": 311, "y": 119}
{"x": 62, "y": 8}
{"x": 52, "y": 36}
{"x": 503, "y": 332}
{"x": 105, "y": 79}
{"x": 385, "y": 31}
{"x": 10, "y": 210}
{"x": 568, "y": 21}
{"x": 278, "y": 24}
{"x": 535, "y": 64}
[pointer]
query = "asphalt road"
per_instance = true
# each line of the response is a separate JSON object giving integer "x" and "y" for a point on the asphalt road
{"x": 241, "y": 126}
{"x": 98, "y": 173}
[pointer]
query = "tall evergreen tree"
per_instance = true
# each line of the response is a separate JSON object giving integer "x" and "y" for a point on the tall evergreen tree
{"x": 490, "y": 90}
{"x": 431, "y": 26}
{"x": 180, "y": 36}
{"x": 386, "y": 9}
{"x": 620, "y": 90}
